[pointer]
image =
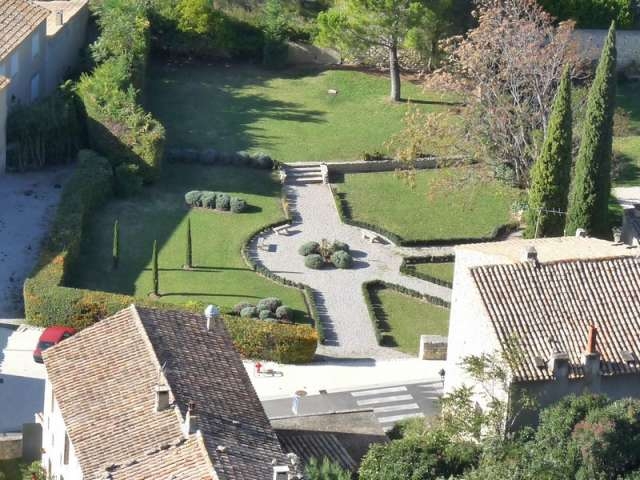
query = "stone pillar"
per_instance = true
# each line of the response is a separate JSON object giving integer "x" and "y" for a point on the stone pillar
{"x": 433, "y": 347}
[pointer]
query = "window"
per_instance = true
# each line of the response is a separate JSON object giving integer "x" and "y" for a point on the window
{"x": 65, "y": 453}
{"x": 13, "y": 67}
{"x": 35, "y": 87}
{"x": 35, "y": 45}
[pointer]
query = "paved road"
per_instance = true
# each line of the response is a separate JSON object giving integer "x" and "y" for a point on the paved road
{"x": 389, "y": 404}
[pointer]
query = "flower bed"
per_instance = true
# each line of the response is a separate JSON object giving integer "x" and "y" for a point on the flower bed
{"x": 320, "y": 255}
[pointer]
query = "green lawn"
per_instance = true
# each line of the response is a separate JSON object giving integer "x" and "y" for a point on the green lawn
{"x": 159, "y": 213}
{"x": 443, "y": 205}
{"x": 287, "y": 114}
{"x": 442, "y": 271}
{"x": 627, "y": 148}
{"x": 407, "y": 318}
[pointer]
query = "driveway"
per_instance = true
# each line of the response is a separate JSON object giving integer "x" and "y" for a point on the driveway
{"x": 21, "y": 379}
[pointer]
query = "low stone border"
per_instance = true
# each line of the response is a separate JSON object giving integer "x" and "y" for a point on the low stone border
{"x": 390, "y": 165}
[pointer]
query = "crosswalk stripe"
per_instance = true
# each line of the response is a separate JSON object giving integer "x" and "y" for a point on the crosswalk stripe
{"x": 395, "y": 418}
{"x": 366, "y": 393}
{"x": 396, "y": 408}
{"x": 393, "y": 398}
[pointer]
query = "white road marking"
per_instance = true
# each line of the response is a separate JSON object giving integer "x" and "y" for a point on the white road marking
{"x": 396, "y": 408}
{"x": 378, "y": 391}
{"x": 395, "y": 418}
{"x": 393, "y": 398}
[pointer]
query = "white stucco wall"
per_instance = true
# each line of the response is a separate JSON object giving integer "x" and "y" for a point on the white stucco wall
{"x": 53, "y": 439}
{"x": 470, "y": 331}
{"x": 627, "y": 45}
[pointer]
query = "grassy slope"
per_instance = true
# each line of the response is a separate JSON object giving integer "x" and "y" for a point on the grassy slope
{"x": 221, "y": 276}
{"x": 628, "y": 148}
{"x": 431, "y": 211}
{"x": 442, "y": 271}
{"x": 287, "y": 114}
{"x": 408, "y": 318}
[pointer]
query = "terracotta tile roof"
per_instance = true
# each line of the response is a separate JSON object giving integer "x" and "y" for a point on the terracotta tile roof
{"x": 108, "y": 403}
{"x": 4, "y": 81}
{"x": 551, "y": 306}
{"x": 18, "y": 19}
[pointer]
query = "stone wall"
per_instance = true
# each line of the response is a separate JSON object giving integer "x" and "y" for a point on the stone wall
{"x": 10, "y": 446}
{"x": 380, "y": 165}
{"x": 433, "y": 347}
{"x": 627, "y": 43}
{"x": 304, "y": 54}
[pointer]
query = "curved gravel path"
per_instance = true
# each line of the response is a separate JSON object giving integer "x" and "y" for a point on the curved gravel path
{"x": 342, "y": 308}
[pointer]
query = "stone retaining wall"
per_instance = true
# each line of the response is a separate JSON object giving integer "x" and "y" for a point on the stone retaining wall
{"x": 361, "y": 166}
{"x": 10, "y": 446}
{"x": 627, "y": 45}
{"x": 305, "y": 54}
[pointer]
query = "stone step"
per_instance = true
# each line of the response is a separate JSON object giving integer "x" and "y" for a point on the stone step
{"x": 300, "y": 172}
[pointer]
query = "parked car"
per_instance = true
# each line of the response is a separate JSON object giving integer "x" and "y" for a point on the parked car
{"x": 50, "y": 337}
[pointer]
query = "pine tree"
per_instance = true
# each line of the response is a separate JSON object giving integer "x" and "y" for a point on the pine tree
{"x": 154, "y": 269}
{"x": 189, "y": 256}
{"x": 589, "y": 197}
{"x": 115, "y": 253}
{"x": 551, "y": 173}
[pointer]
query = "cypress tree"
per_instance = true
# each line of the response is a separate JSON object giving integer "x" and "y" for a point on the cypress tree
{"x": 551, "y": 173}
{"x": 115, "y": 253}
{"x": 154, "y": 269}
{"x": 589, "y": 197}
{"x": 189, "y": 256}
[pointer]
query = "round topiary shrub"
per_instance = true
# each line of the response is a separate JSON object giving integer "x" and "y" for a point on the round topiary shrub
{"x": 243, "y": 158}
{"x": 284, "y": 313}
{"x": 237, "y": 205}
{"x": 238, "y": 307}
{"x": 309, "y": 248}
{"x": 223, "y": 201}
{"x": 314, "y": 261}
{"x": 249, "y": 312}
{"x": 208, "y": 199}
{"x": 270, "y": 303}
{"x": 340, "y": 246}
{"x": 262, "y": 160}
{"x": 264, "y": 314}
{"x": 342, "y": 259}
{"x": 193, "y": 198}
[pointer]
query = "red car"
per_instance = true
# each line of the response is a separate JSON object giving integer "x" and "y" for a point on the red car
{"x": 50, "y": 337}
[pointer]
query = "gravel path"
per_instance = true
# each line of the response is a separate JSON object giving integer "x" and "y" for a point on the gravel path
{"x": 343, "y": 311}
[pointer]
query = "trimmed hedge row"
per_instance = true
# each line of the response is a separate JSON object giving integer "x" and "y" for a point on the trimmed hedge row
{"x": 215, "y": 200}
{"x": 344, "y": 210}
{"x": 368, "y": 289}
{"x": 211, "y": 156}
{"x": 118, "y": 127}
{"x": 48, "y": 302}
{"x": 407, "y": 267}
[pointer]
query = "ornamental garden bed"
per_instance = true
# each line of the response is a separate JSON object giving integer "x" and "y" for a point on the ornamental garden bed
{"x": 323, "y": 254}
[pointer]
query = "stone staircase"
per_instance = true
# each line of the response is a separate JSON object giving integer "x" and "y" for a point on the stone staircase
{"x": 304, "y": 174}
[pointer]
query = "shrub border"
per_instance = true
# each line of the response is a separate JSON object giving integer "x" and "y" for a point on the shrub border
{"x": 344, "y": 211}
{"x": 368, "y": 287}
{"x": 407, "y": 267}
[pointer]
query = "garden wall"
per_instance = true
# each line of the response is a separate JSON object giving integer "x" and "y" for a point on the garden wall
{"x": 627, "y": 45}
{"x": 362, "y": 166}
{"x": 306, "y": 54}
{"x": 10, "y": 446}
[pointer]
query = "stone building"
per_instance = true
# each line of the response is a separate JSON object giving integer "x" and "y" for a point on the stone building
{"x": 154, "y": 394}
{"x": 549, "y": 298}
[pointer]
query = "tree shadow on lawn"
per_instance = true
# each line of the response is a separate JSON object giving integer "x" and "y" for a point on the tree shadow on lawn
{"x": 626, "y": 170}
{"x": 386, "y": 337}
{"x": 205, "y": 105}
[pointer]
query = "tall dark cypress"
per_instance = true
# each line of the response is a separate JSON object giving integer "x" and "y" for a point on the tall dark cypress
{"x": 589, "y": 197}
{"x": 188, "y": 253}
{"x": 154, "y": 269}
{"x": 551, "y": 173}
{"x": 115, "y": 253}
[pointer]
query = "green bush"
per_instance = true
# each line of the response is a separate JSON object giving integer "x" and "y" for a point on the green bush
{"x": 337, "y": 246}
{"x": 593, "y": 13}
{"x": 208, "y": 199}
{"x": 283, "y": 312}
{"x": 314, "y": 261}
{"x": 342, "y": 259}
{"x": 263, "y": 161}
{"x": 270, "y": 304}
{"x": 249, "y": 312}
{"x": 237, "y": 205}
{"x": 237, "y": 308}
{"x": 265, "y": 314}
{"x": 309, "y": 248}
{"x": 128, "y": 181}
{"x": 193, "y": 197}
{"x": 223, "y": 202}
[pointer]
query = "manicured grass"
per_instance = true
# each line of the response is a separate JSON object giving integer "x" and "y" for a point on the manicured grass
{"x": 444, "y": 204}
{"x": 220, "y": 275}
{"x": 442, "y": 271}
{"x": 287, "y": 114}
{"x": 627, "y": 149}
{"x": 407, "y": 318}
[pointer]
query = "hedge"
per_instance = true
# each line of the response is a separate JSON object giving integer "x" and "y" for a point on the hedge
{"x": 48, "y": 301}
{"x": 211, "y": 156}
{"x": 369, "y": 287}
{"x": 407, "y": 267}
{"x": 344, "y": 210}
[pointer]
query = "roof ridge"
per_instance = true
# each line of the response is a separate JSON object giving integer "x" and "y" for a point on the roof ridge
{"x": 563, "y": 261}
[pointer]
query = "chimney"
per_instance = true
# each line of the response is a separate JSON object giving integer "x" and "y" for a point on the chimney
{"x": 531, "y": 255}
{"x": 212, "y": 314}
{"x": 190, "y": 425}
{"x": 280, "y": 472}
{"x": 162, "y": 397}
{"x": 581, "y": 233}
{"x": 59, "y": 18}
{"x": 559, "y": 365}
{"x": 591, "y": 361}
